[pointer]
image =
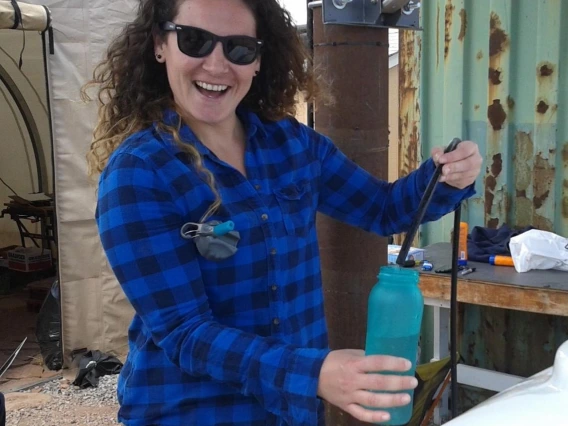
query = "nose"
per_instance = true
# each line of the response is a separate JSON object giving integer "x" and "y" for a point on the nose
{"x": 216, "y": 63}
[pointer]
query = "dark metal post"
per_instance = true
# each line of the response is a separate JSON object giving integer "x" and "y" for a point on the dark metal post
{"x": 355, "y": 60}
{"x": 310, "y": 36}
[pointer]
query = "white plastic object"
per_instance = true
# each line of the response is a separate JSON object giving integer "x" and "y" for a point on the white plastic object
{"x": 537, "y": 249}
{"x": 539, "y": 400}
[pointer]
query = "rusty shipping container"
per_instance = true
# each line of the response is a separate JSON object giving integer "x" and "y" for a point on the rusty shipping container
{"x": 495, "y": 71}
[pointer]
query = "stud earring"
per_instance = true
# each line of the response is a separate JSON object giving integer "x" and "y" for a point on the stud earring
{"x": 158, "y": 57}
{"x": 256, "y": 73}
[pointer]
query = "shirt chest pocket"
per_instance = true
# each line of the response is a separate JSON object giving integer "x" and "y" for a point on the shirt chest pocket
{"x": 295, "y": 202}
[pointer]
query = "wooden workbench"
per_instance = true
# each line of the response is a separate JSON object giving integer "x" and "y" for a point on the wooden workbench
{"x": 498, "y": 286}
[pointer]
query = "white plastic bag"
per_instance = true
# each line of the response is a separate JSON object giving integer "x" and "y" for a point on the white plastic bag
{"x": 536, "y": 249}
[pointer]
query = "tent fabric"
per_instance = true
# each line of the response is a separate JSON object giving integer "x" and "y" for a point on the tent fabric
{"x": 95, "y": 313}
{"x": 30, "y": 17}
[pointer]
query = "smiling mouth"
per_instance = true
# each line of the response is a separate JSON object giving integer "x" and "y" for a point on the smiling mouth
{"x": 212, "y": 91}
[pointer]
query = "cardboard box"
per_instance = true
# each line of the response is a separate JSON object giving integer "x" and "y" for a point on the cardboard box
{"x": 29, "y": 259}
{"x": 415, "y": 254}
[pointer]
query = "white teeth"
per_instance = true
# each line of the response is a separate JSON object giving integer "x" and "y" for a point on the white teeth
{"x": 211, "y": 87}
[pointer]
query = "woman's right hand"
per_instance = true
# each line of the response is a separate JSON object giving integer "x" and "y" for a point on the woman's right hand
{"x": 344, "y": 382}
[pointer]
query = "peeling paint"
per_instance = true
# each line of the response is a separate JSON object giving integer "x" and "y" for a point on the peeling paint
{"x": 496, "y": 114}
{"x": 510, "y": 102}
{"x": 565, "y": 207}
{"x": 498, "y": 39}
{"x": 524, "y": 153}
{"x": 495, "y": 76}
{"x": 479, "y": 55}
{"x": 476, "y": 107}
{"x": 463, "y": 26}
{"x": 543, "y": 180}
{"x": 448, "y": 28}
{"x": 565, "y": 153}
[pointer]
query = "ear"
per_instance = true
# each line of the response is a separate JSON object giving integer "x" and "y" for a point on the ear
{"x": 159, "y": 47}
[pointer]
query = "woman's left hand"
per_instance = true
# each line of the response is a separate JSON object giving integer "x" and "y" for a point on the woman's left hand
{"x": 461, "y": 166}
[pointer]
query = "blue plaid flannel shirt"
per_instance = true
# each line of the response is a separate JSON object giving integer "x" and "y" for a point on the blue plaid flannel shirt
{"x": 240, "y": 341}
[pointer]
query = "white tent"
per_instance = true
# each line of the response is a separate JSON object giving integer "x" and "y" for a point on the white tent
{"x": 95, "y": 312}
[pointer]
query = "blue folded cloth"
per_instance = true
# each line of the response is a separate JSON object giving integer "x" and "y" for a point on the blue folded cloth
{"x": 485, "y": 242}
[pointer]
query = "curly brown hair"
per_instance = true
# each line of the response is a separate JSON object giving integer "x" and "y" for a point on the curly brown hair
{"x": 133, "y": 88}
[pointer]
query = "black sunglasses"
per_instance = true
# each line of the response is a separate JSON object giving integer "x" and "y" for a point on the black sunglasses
{"x": 198, "y": 43}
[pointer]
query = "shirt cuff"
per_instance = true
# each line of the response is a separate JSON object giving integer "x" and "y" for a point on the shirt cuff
{"x": 301, "y": 385}
{"x": 444, "y": 192}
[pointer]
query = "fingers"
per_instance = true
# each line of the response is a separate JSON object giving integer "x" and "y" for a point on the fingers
{"x": 436, "y": 154}
{"x": 376, "y": 363}
{"x": 381, "y": 400}
{"x": 388, "y": 382}
{"x": 366, "y": 415}
{"x": 464, "y": 150}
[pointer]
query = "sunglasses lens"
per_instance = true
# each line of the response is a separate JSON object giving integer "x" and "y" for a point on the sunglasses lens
{"x": 195, "y": 42}
{"x": 241, "y": 50}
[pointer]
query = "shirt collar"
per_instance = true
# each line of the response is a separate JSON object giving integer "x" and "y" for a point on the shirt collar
{"x": 252, "y": 122}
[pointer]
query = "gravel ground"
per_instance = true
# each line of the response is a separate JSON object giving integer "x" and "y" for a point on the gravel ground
{"x": 58, "y": 403}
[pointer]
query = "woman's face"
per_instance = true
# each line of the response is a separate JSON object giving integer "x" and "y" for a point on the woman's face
{"x": 190, "y": 78}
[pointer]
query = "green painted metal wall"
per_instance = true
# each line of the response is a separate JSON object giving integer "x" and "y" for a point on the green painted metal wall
{"x": 496, "y": 72}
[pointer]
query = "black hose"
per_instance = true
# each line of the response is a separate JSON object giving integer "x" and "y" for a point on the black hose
{"x": 454, "y": 313}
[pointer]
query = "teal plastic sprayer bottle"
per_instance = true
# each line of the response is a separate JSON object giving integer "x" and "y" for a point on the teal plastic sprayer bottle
{"x": 396, "y": 306}
{"x": 395, "y": 313}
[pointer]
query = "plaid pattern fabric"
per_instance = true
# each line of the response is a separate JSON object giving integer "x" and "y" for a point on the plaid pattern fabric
{"x": 240, "y": 341}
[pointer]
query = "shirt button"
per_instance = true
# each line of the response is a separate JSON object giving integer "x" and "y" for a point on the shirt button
{"x": 273, "y": 252}
{"x": 276, "y": 321}
{"x": 274, "y": 287}
{"x": 264, "y": 217}
{"x": 257, "y": 187}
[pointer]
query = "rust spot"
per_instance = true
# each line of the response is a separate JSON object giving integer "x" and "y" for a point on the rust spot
{"x": 493, "y": 223}
{"x": 539, "y": 201}
{"x": 522, "y": 194}
{"x": 498, "y": 39}
{"x": 565, "y": 153}
{"x": 510, "y": 102}
{"x": 476, "y": 107}
{"x": 479, "y": 55}
{"x": 463, "y": 27}
{"x": 490, "y": 185}
{"x": 496, "y": 115}
{"x": 546, "y": 69}
{"x": 497, "y": 165}
{"x": 448, "y": 28}
{"x": 438, "y": 36}
{"x": 494, "y": 76}
{"x": 542, "y": 107}
{"x": 552, "y": 150}
{"x": 565, "y": 207}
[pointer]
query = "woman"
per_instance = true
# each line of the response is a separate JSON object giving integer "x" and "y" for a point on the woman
{"x": 195, "y": 126}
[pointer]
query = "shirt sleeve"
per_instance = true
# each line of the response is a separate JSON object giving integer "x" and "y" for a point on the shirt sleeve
{"x": 352, "y": 195}
{"x": 139, "y": 226}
